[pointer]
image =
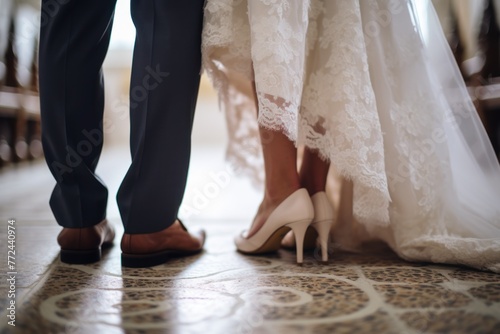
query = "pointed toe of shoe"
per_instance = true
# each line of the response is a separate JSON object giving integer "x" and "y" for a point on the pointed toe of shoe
{"x": 241, "y": 243}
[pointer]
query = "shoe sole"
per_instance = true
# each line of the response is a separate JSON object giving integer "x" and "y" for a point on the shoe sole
{"x": 83, "y": 256}
{"x": 154, "y": 259}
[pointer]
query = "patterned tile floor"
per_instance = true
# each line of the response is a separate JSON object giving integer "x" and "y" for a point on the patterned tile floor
{"x": 222, "y": 291}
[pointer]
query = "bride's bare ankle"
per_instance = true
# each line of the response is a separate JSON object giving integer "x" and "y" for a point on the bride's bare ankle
{"x": 276, "y": 195}
{"x": 273, "y": 197}
{"x": 313, "y": 172}
{"x": 313, "y": 186}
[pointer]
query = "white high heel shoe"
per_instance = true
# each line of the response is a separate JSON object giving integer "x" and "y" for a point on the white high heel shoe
{"x": 323, "y": 221}
{"x": 319, "y": 229}
{"x": 296, "y": 212}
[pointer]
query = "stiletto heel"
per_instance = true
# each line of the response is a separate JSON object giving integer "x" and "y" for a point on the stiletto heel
{"x": 296, "y": 212}
{"x": 299, "y": 230}
{"x": 323, "y": 221}
{"x": 319, "y": 230}
{"x": 323, "y": 229}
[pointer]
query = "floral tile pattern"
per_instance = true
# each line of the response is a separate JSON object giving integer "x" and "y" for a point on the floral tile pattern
{"x": 221, "y": 290}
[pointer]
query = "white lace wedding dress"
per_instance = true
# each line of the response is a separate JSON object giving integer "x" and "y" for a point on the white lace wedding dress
{"x": 374, "y": 87}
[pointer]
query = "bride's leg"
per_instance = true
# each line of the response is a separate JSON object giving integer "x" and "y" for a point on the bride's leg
{"x": 313, "y": 172}
{"x": 280, "y": 167}
{"x": 282, "y": 179}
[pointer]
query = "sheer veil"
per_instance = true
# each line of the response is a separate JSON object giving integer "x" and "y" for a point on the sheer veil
{"x": 443, "y": 175}
{"x": 474, "y": 165}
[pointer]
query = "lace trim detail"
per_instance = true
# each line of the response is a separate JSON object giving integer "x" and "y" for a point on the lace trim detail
{"x": 339, "y": 115}
{"x": 344, "y": 127}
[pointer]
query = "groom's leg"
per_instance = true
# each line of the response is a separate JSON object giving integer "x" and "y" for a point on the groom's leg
{"x": 164, "y": 88}
{"x": 74, "y": 39}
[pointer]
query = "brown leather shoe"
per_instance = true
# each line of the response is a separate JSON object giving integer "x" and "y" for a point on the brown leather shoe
{"x": 83, "y": 245}
{"x": 151, "y": 249}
